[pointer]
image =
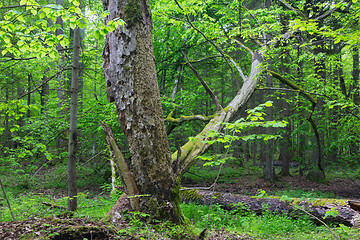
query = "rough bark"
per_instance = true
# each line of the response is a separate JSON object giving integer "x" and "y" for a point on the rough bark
{"x": 348, "y": 210}
{"x": 129, "y": 68}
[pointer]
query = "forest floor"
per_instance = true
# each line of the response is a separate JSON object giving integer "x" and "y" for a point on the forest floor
{"x": 338, "y": 187}
{"x": 58, "y": 227}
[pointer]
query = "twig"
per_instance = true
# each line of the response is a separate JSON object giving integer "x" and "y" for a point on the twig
{"x": 202, "y": 34}
{"x": 321, "y": 221}
{"x": 198, "y": 188}
{"x": 7, "y": 200}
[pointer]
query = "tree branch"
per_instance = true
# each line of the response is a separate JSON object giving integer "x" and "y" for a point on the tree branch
{"x": 293, "y": 86}
{"x": 43, "y": 82}
{"x": 123, "y": 167}
{"x": 288, "y": 5}
{"x": 182, "y": 118}
{"x": 205, "y": 85}
{"x": 242, "y": 75}
{"x": 331, "y": 11}
{"x": 309, "y": 117}
{"x": 202, "y": 34}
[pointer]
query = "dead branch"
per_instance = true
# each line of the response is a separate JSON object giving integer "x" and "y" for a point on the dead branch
{"x": 205, "y": 85}
{"x": 183, "y": 118}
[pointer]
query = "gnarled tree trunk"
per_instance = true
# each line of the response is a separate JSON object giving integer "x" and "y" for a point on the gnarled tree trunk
{"x": 130, "y": 73}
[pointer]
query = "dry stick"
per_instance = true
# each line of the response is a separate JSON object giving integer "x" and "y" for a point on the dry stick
{"x": 7, "y": 200}
{"x": 205, "y": 85}
{"x": 312, "y": 215}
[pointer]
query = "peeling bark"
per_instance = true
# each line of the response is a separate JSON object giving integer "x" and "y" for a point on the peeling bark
{"x": 129, "y": 68}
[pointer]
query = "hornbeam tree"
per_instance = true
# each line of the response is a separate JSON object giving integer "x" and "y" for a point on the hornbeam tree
{"x": 129, "y": 68}
{"x": 130, "y": 74}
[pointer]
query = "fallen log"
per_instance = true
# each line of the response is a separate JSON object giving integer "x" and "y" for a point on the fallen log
{"x": 340, "y": 211}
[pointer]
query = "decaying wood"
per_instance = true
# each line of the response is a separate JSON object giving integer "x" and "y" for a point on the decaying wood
{"x": 130, "y": 73}
{"x": 125, "y": 172}
{"x": 348, "y": 211}
{"x": 196, "y": 147}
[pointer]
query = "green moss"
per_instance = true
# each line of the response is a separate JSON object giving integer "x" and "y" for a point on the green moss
{"x": 132, "y": 12}
{"x": 176, "y": 198}
{"x": 228, "y": 108}
{"x": 190, "y": 194}
{"x": 324, "y": 201}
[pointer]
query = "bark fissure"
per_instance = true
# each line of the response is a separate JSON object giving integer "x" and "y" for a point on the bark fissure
{"x": 129, "y": 68}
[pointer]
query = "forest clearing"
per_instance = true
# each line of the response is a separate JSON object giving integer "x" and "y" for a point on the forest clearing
{"x": 179, "y": 119}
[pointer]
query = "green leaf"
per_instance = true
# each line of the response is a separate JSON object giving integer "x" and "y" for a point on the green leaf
{"x": 33, "y": 11}
{"x": 52, "y": 54}
{"x": 23, "y": 2}
{"x": 268, "y": 104}
{"x": 76, "y": 3}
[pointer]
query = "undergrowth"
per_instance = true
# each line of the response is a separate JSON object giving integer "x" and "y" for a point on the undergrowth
{"x": 28, "y": 195}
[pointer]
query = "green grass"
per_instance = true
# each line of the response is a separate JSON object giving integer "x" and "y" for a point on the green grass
{"x": 266, "y": 226}
{"x": 27, "y": 195}
{"x": 31, "y": 205}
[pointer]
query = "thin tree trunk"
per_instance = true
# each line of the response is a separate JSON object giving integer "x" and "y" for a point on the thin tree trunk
{"x": 355, "y": 75}
{"x": 285, "y": 142}
{"x": 72, "y": 188}
{"x": 269, "y": 160}
{"x": 7, "y": 128}
{"x": 7, "y": 200}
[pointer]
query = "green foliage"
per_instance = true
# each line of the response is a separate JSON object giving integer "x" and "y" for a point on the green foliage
{"x": 255, "y": 119}
{"x": 247, "y": 222}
